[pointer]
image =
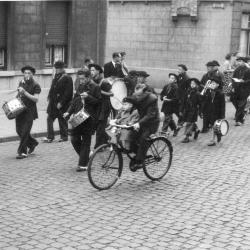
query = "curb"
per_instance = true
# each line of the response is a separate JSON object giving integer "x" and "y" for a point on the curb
{"x": 16, "y": 138}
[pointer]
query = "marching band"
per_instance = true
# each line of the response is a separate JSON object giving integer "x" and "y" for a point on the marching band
{"x": 87, "y": 110}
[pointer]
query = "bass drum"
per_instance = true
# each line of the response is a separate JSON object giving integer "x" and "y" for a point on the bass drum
{"x": 119, "y": 90}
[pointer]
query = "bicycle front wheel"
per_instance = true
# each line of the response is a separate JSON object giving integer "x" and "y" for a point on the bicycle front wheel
{"x": 105, "y": 167}
{"x": 158, "y": 158}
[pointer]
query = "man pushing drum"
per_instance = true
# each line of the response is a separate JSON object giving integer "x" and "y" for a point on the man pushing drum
{"x": 28, "y": 92}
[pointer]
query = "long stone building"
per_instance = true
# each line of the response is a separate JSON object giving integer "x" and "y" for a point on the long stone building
{"x": 159, "y": 34}
{"x": 156, "y": 34}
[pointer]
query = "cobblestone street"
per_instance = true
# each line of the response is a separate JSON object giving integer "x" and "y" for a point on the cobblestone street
{"x": 202, "y": 203}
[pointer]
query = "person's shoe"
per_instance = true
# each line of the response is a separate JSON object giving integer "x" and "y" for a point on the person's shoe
{"x": 176, "y": 132}
{"x": 212, "y": 143}
{"x": 238, "y": 124}
{"x": 164, "y": 133}
{"x": 47, "y": 140}
{"x": 185, "y": 140}
{"x": 91, "y": 153}
{"x": 196, "y": 134}
{"x": 63, "y": 139}
{"x": 218, "y": 138}
{"x": 32, "y": 148}
{"x": 21, "y": 156}
{"x": 81, "y": 168}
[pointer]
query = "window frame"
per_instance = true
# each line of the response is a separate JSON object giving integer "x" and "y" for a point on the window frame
{"x": 52, "y": 55}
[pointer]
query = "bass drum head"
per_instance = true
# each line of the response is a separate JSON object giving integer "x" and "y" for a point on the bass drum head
{"x": 120, "y": 91}
{"x": 224, "y": 127}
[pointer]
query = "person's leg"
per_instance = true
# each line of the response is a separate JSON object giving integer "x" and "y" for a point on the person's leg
{"x": 188, "y": 131}
{"x": 166, "y": 122}
{"x": 101, "y": 135}
{"x": 24, "y": 124}
{"x": 205, "y": 127}
{"x": 240, "y": 112}
{"x": 50, "y": 128}
{"x": 63, "y": 126}
{"x": 85, "y": 149}
{"x": 76, "y": 142}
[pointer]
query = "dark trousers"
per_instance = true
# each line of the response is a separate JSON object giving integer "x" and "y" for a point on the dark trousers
{"x": 206, "y": 122}
{"x": 63, "y": 126}
{"x": 24, "y": 123}
{"x": 101, "y": 136}
{"x": 81, "y": 141}
{"x": 168, "y": 122}
{"x": 240, "y": 110}
{"x": 142, "y": 140}
{"x": 190, "y": 128}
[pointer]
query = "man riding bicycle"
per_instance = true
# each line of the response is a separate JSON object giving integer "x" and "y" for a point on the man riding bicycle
{"x": 147, "y": 105}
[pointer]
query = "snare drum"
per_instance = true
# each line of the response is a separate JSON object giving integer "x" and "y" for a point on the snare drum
{"x": 221, "y": 127}
{"x": 78, "y": 118}
{"x": 13, "y": 108}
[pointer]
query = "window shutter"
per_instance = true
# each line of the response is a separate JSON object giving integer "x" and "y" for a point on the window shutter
{"x": 3, "y": 25}
{"x": 57, "y": 23}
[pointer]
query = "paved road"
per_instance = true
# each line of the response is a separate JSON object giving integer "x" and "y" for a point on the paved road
{"x": 203, "y": 202}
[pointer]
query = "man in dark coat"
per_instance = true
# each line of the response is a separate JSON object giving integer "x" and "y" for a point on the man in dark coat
{"x": 130, "y": 81}
{"x": 170, "y": 106}
{"x": 240, "y": 90}
{"x": 183, "y": 84}
{"x": 114, "y": 68}
{"x": 28, "y": 91}
{"x": 147, "y": 105}
{"x": 60, "y": 96}
{"x": 243, "y": 91}
{"x": 89, "y": 98}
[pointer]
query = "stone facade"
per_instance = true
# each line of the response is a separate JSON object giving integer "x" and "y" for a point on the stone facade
{"x": 26, "y": 41}
{"x": 155, "y": 41}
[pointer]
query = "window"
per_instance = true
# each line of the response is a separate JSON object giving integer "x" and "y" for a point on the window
{"x": 56, "y": 32}
{"x": 245, "y": 35}
{"x": 55, "y": 53}
{"x": 2, "y": 58}
{"x": 3, "y": 34}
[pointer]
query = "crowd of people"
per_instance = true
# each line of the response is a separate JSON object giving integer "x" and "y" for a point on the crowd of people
{"x": 182, "y": 96}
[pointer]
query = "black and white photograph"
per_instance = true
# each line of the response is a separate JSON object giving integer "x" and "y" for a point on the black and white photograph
{"x": 125, "y": 124}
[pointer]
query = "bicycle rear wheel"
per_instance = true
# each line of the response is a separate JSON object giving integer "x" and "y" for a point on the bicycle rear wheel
{"x": 158, "y": 158}
{"x": 105, "y": 167}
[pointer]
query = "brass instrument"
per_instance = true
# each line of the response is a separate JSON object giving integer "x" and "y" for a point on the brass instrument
{"x": 207, "y": 85}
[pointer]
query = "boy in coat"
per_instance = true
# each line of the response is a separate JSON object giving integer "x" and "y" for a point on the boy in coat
{"x": 190, "y": 109}
{"x": 215, "y": 100}
{"x": 170, "y": 104}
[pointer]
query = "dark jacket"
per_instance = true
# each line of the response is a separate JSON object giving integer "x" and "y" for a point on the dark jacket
{"x": 147, "y": 106}
{"x": 61, "y": 91}
{"x": 32, "y": 87}
{"x": 211, "y": 75}
{"x": 92, "y": 101}
{"x": 191, "y": 105}
{"x": 213, "y": 105}
{"x": 170, "y": 91}
{"x": 183, "y": 84}
{"x": 111, "y": 71}
{"x": 242, "y": 89}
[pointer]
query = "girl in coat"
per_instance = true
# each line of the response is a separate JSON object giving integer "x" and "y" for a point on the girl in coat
{"x": 190, "y": 109}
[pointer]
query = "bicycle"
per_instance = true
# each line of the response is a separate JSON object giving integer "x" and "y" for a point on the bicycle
{"x": 106, "y": 163}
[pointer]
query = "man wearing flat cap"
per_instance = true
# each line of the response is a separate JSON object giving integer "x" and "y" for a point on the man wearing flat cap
{"x": 28, "y": 92}
{"x": 59, "y": 98}
{"x": 183, "y": 84}
{"x": 142, "y": 79}
{"x": 130, "y": 81}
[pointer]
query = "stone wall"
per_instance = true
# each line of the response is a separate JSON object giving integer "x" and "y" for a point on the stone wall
{"x": 25, "y": 41}
{"x": 155, "y": 42}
